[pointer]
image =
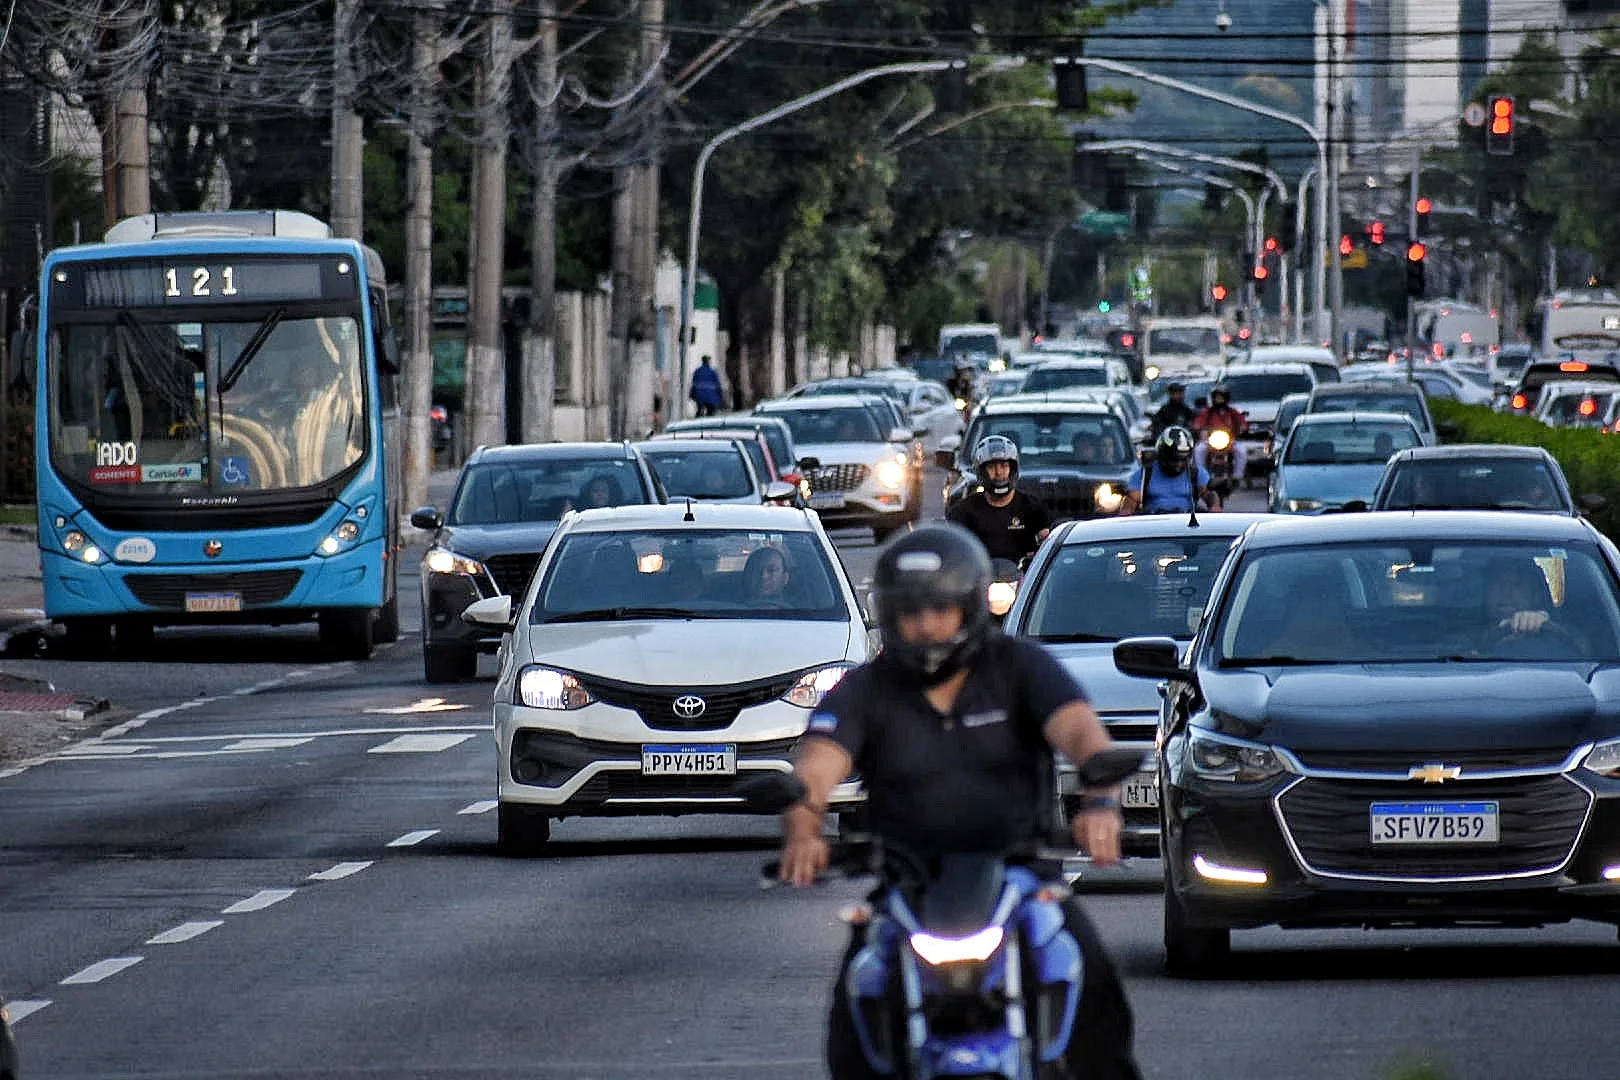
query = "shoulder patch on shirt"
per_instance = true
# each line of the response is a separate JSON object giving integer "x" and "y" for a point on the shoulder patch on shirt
{"x": 983, "y": 719}
{"x": 823, "y": 722}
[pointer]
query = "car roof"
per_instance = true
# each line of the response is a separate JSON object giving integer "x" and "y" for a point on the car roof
{"x": 1140, "y": 526}
{"x": 1353, "y": 416}
{"x": 819, "y": 401}
{"x": 1072, "y": 363}
{"x": 1028, "y": 403}
{"x": 1401, "y": 526}
{"x": 1269, "y": 367}
{"x": 1471, "y": 452}
{"x": 577, "y": 451}
{"x": 704, "y": 515}
{"x": 1361, "y": 386}
{"x": 700, "y": 446}
{"x": 1303, "y": 353}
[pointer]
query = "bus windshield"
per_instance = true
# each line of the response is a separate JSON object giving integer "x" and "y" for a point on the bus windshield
{"x": 225, "y": 407}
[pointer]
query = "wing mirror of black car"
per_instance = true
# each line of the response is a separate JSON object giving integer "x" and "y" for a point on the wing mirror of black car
{"x": 1150, "y": 658}
{"x": 1593, "y": 503}
{"x": 490, "y": 613}
{"x": 772, "y": 792}
{"x": 809, "y": 464}
{"x": 1447, "y": 431}
{"x": 1109, "y": 767}
{"x": 780, "y": 493}
{"x": 426, "y": 517}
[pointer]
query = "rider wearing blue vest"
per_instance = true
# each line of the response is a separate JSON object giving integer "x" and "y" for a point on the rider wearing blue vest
{"x": 1166, "y": 485}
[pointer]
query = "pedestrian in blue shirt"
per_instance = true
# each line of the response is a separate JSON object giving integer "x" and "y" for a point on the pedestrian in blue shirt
{"x": 706, "y": 392}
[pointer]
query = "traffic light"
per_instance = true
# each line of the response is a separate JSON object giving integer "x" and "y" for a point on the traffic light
{"x": 1499, "y": 124}
{"x": 1422, "y": 206}
{"x": 1347, "y": 246}
{"x": 1416, "y": 253}
{"x": 1260, "y": 271}
{"x": 1217, "y": 293}
{"x": 1070, "y": 83}
{"x": 1271, "y": 245}
{"x": 1375, "y": 233}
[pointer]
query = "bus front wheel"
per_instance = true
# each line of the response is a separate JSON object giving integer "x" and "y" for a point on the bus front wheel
{"x": 348, "y": 634}
{"x": 88, "y": 639}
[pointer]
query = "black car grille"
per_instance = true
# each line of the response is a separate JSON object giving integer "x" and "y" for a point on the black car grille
{"x": 512, "y": 572}
{"x": 1066, "y": 498}
{"x": 656, "y": 704}
{"x": 1540, "y": 818}
{"x": 1397, "y": 762}
{"x": 832, "y": 478}
{"x": 256, "y": 586}
{"x": 1131, "y": 727}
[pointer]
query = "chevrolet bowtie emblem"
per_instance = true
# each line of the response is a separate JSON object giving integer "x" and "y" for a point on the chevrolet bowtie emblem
{"x": 1434, "y": 773}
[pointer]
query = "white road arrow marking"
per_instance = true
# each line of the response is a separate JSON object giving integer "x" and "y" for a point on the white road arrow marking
{"x": 432, "y": 704}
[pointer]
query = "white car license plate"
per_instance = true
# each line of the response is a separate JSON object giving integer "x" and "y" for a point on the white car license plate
{"x": 1434, "y": 823}
{"x": 826, "y": 502}
{"x": 1141, "y": 790}
{"x": 213, "y": 601}
{"x": 702, "y": 759}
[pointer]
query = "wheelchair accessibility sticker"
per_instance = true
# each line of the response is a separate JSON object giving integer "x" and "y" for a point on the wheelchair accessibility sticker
{"x": 234, "y": 471}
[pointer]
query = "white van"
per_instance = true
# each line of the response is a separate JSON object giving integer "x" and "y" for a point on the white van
{"x": 1191, "y": 345}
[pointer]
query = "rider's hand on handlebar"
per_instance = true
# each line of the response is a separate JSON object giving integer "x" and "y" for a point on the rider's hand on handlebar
{"x": 804, "y": 859}
{"x": 1096, "y": 832}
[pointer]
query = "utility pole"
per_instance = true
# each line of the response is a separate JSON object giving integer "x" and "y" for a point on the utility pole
{"x": 540, "y": 334}
{"x": 1411, "y": 236}
{"x": 348, "y": 134}
{"x": 486, "y": 367}
{"x": 125, "y": 145}
{"x": 418, "y": 359}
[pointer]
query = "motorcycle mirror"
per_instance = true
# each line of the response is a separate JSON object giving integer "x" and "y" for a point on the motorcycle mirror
{"x": 1111, "y": 766}
{"x": 771, "y": 791}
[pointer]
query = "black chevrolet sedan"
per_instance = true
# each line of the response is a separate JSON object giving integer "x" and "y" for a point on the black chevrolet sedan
{"x": 507, "y": 503}
{"x": 1392, "y": 720}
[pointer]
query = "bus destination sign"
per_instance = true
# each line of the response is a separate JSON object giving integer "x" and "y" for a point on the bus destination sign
{"x": 138, "y": 283}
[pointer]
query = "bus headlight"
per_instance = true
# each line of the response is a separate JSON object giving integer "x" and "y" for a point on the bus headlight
{"x": 339, "y": 538}
{"x": 78, "y": 544}
{"x": 445, "y": 561}
{"x": 1107, "y": 499}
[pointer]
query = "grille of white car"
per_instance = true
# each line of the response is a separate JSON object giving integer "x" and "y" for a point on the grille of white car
{"x": 838, "y": 477}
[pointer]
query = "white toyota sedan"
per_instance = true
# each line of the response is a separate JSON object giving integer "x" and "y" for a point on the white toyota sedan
{"x": 659, "y": 655}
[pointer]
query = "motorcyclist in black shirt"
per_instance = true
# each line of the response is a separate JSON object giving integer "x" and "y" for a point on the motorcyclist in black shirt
{"x": 1009, "y": 523}
{"x": 1175, "y": 412}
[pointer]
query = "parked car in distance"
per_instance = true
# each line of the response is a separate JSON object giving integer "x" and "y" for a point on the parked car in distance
{"x": 506, "y": 505}
{"x": 661, "y": 655}
{"x": 1479, "y": 476}
{"x": 1333, "y": 461}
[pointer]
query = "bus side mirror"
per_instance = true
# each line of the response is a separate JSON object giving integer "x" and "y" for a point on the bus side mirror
{"x": 388, "y": 352}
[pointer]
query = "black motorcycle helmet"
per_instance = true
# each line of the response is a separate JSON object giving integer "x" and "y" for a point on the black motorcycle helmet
{"x": 939, "y": 565}
{"x": 1174, "y": 449}
{"x": 1219, "y": 395}
{"x": 996, "y": 448}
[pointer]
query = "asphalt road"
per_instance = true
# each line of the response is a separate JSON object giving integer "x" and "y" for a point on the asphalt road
{"x": 294, "y": 875}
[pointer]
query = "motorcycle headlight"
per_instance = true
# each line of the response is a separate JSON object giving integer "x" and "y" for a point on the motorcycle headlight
{"x": 892, "y": 475}
{"x": 814, "y": 685}
{"x": 1302, "y": 506}
{"x": 1150, "y": 372}
{"x": 1000, "y": 596}
{"x": 961, "y": 403}
{"x": 1220, "y": 439}
{"x": 1107, "y": 499}
{"x": 547, "y": 688}
{"x": 445, "y": 561}
{"x": 1221, "y": 757}
{"x": 1604, "y": 759}
{"x": 976, "y": 947}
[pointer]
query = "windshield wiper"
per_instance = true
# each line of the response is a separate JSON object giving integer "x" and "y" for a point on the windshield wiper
{"x": 251, "y": 349}
{"x": 617, "y": 613}
{"x": 1075, "y": 639}
{"x": 1273, "y": 661}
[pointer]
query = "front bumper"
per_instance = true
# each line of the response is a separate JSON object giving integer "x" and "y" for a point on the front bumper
{"x": 588, "y": 761}
{"x": 1308, "y": 835}
{"x": 446, "y": 596}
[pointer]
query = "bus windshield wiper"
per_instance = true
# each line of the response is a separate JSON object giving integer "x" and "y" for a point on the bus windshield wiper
{"x": 251, "y": 349}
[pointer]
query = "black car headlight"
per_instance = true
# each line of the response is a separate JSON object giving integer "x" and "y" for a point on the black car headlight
{"x": 1604, "y": 759}
{"x": 444, "y": 561}
{"x": 1222, "y": 757}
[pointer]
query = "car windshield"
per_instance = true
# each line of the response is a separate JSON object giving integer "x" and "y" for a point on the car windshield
{"x": 689, "y": 573}
{"x": 847, "y": 424}
{"x": 1372, "y": 401}
{"x": 1042, "y": 379}
{"x": 1185, "y": 341}
{"x": 505, "y": 492}
{"x": 1421, "y": 601}
{"x": 699, "y": 474}
{"x": 1273, "y": 387}
{"x": 1472, "y": 485}
{"x": 1125, "y": 588}
{"x": 958, "y": 344}
{"x": 1067, "y": 439}
{"x": 1364, "y": 442}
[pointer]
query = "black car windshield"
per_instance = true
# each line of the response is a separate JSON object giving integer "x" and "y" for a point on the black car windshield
{"x": 1184, "y": 341}
{"x": 842, "y": 424}
{"x": 1058, "y": 439}
{"x": 1267, "y": 387}
{"x": 1422, "y": 601}
{"x": 1125, "y": 588}
{"x": 1477, "y": 484}
{"x": 1043, "y": 379}
{"x": 1363, "y": 442}
{"x": 1372, "y": 401}
{"x": 689, "y": 573}
{"x": 699, "y": 473}
{"x": 506, "y": 491}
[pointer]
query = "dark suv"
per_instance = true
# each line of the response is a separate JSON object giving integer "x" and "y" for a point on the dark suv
{"x": 507, "y": 503}
{"x": 1526, "y": 391}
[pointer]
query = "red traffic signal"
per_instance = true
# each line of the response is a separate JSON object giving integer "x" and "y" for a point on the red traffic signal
{"x": 1416, "y": 251}
{"x": 1217, "y": 293}
{"x": 1271, "y": 245}
{"x": 1499, "y": 124}
{"x": 1375, "y": 233}
{"x": 1347, "y": 246}
{"x": 1423, "y": 205}
{"x": 1260, "y": 272}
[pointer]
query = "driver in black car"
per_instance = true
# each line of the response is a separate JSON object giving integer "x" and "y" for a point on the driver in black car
{"x": 1519, "y": 618}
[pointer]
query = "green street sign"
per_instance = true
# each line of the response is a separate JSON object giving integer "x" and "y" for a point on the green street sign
{"x": 1104, "y": 223}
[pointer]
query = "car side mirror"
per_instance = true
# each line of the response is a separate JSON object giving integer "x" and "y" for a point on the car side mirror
{"x": 919, "y": 433}
{"x": 945, "y": 459}
{"x": 490, "y": 613}
{"x": 1150, "y": 658}
{"x": 1593, "y": 503}
{"x": 901, "y": 435}
{"x": 809, "y": 464}
{"x": 426, "y": 517}
{"x": 780, "y": 493}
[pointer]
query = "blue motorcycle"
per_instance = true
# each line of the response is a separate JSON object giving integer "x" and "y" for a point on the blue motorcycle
{"x": 966, "y": 968}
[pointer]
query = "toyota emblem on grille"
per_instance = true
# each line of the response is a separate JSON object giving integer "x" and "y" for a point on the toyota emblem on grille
{"x": 689, "y": 706}
{"x": 213, "y": 548}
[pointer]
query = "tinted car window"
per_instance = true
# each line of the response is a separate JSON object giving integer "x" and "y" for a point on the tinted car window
{"x": 702, "y": 475}
{"x": 1042, "y": 379}
{"x": 506, "y": 492}
{"x": 834, "y": 425}
{"x": 1362, "y": 443}
{"x": 1104, "y": 592}
{"x": 690, "y": 573}
{"x": 1424, "y": 601}
{"x": 1463, "y": 484}
{"x": 1058, "y": 438}
{"x": 1267, "y": 387}
{"x": 1185, "y": 341}
{"x": 1372, "y": 401}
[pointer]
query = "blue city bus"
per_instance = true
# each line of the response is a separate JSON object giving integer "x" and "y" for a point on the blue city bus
{"x": 217, "y": 432}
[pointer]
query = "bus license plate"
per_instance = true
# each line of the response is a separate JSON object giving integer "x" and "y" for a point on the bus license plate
{"x": 704, "y": 759}
{"x": 1434, "y": 823}
{"x": 213, "y": 601}
{"x": 1141, "y": 791}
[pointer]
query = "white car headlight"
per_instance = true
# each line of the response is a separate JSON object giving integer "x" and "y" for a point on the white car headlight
{"x": 445, "y": 561}
{"x": 814, "y": 685}
{"x": 1107, "y": 499}
{"x": 892, "y": 475}
{"x": 1604, "y": 758}
{"x": 547, "y": 688}
{"x": 1221, "y": 757}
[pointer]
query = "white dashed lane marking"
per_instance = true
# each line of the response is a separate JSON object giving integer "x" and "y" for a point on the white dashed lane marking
{"x": 258, "y": 901}
{"x": 19, "y": 1009}
{"x": 482, "y": 806}
{"x": 422, "y": 740}
{"x": 340, "y": 871}
{"x": 101, "y": 969}
{"x": 411, "y": 839}
{"x": 420, "y": 744}
{"x": 184, "y": 932}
